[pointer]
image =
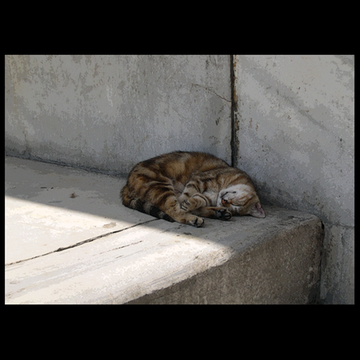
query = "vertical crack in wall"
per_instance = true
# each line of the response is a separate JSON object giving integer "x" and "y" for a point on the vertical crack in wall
{"x": 234, "y": 144}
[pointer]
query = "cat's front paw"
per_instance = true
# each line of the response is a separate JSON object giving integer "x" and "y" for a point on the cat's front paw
{"x": 189, "y": 205}
{"x": 196, "y": 201}
{"x": 185, "y": 205}
{"x": 196, "y": 221}
{"x": 223, "y": 214}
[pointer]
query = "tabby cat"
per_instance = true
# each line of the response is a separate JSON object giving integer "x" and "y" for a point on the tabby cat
{"x": 186, "y": 186}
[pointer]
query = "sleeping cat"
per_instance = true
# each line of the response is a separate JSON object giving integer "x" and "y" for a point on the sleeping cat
{"x": 186, "y": 186}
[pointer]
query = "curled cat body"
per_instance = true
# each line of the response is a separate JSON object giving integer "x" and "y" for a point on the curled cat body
{"x": 187, "y": 186}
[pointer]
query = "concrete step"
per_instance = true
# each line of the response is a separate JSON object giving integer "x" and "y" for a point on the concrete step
{"x": 68, "y": 239}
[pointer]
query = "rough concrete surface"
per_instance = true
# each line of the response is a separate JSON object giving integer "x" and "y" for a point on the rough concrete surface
{"x": 69, "y": 240}
{"x": 108, "y": 112}
{"x": 296, "y": 140}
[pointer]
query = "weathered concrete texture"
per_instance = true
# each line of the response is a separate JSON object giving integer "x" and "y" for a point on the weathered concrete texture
{"x": 274, "y": 264}
{"x": 296, "y": 136}
{"x": 50, "y": 206}
{"x": 88, "y": 248}
{"x": 108, "y": 112}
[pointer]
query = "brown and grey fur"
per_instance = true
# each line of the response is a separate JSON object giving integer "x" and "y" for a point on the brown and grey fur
{"x": 186, "y": 186}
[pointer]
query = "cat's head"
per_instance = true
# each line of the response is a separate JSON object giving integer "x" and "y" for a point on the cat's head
{"x": 241, "y": 199}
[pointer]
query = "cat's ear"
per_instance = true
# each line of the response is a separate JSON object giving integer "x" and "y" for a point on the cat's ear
{"x": 257, "y": 211}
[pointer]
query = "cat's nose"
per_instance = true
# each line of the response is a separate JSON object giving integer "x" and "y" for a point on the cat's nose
{"x": 223, "y": 201}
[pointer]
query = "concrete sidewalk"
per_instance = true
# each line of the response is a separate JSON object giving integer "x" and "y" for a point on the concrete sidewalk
{"x": 68, "y": 239}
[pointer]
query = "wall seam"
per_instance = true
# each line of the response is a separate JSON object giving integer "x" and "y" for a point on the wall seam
{"x": 234, "y": 142}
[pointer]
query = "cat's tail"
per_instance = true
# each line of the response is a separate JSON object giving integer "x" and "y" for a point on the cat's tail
{"x": 143, "y": 206}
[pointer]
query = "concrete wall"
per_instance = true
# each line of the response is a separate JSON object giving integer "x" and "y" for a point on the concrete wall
{"x": 110, "y": 112}
{"x": 296, "y": 139}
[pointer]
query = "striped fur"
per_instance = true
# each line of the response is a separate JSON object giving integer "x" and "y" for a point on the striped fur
{"x": 186, "y": 186}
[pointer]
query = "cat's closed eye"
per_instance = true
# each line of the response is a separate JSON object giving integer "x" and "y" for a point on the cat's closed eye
{"x": 229, "y": 192}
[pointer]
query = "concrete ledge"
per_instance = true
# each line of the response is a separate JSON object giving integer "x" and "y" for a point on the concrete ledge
{"x": 69, "y": 240}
